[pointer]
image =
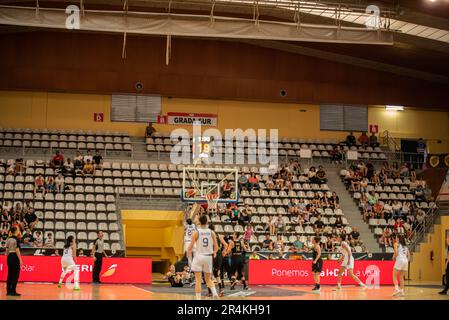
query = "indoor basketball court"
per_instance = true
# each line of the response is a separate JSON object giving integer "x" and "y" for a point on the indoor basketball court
{"x": 224, "y": 150}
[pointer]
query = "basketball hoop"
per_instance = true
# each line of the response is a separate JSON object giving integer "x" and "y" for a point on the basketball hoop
{"x": 212, "y": 201}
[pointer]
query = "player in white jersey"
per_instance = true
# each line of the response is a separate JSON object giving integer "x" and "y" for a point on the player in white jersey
{"x": 189, "y": 228}
{"x": 401, "y": 257}
{"x": 68, "y": 262}
{"x": 346, "y": 263}
{"x": 206, "y": 250}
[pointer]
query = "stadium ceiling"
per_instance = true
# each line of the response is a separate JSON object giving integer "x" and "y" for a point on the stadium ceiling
{"x": 413, "y": 34}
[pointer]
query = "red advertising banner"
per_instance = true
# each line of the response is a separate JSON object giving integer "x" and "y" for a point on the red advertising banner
{"x": 300, "y": 272}
{"x": 114, "y": 270}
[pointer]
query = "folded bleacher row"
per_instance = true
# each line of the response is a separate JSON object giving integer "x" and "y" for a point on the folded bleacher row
{"x": 83, "y": 209}
{"x": 161, "y": 142}
{"x": 62, "y": 139}
{"x": 392, "y": 190}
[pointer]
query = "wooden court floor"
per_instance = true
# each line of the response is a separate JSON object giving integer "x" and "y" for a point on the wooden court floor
{"x": 49, "y": 291}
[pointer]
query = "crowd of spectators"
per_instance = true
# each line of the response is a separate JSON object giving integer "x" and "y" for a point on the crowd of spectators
{"x": 406, "y": 213}
{"x": 25, "y": 219}
{"x": 81, "y": 166}
{"x": 300, "y": 211}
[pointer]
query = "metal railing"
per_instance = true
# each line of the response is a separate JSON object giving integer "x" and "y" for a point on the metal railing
{"x": 46, "y": 154}
{"x": 422, "y": 229}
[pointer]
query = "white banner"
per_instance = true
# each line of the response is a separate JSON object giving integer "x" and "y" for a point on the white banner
{"x": 180, "y": 118}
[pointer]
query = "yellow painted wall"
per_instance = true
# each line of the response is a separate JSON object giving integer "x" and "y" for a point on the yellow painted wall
{"x": 424, "y": 269}
{"x": 75, "y": 111}
{"x": 155, "y": 233}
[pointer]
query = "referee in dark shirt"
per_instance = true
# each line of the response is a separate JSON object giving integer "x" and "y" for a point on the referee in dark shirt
{"x": 97, "y": 253}
{"x": 14, "y": 262}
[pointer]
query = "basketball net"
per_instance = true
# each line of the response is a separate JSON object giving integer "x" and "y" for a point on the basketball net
{"x": 212, "y": 201}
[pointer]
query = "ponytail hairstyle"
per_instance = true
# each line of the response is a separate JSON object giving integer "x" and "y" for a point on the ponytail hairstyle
{"x": 68, "y": 242}
{"x": 401, "y": 240}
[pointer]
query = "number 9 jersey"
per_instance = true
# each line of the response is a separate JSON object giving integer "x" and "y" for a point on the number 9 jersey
{"x": 203, "y": 260}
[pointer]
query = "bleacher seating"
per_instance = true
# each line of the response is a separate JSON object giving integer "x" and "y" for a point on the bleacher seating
{"x": 88, "y": 206}
{"x": 14, "y": 138}
{"x": 287, "y": 147}
{"x": 391, "y": 190}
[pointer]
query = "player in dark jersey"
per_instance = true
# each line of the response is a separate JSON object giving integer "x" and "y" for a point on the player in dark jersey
{"x": 226, "y": 261}
{"x": 218, "y": 261}
{"x": 317, "y": 263}
{"x": 237, "y": 248}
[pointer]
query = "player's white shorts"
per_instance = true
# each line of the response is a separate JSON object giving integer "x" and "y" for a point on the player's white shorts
{"x": 67, "y": 262}
{"x": 401, "y": 265}
{"x": 202, "y": 263}
{"x": 348, "y": 264}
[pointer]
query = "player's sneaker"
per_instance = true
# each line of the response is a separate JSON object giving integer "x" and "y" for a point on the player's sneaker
{"x": 221, "y": 293}
{"x": 401, "y": 293}
{"x": 76, "y": 288}
{"x": 443, "y": 292}
{"x": 396, "y": 292}
{"x": 362, "y": 285}
{"x": 59, "y": 285}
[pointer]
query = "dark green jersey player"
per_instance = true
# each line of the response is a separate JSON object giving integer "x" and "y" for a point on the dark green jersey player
{"x": 237, "y": 248}
{"x": 218, "y": 261}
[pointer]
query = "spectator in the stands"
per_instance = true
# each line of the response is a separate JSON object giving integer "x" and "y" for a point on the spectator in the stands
{"x": 372, "y": 198}
{"x": 55, "y": 253}
{"x": 364, "y": 139}
{"x": 321, "y": 175}
{"x": 319, "y": 225}
{"x": 246, "y": 214}
{"x": 81, "y": 253}
{"x": 336, "y": 154}
{"x": 420, "y": 217}
{"x": 329, "y": 245}
{"x": 243, "y": 182}
{"x": 279, "y": 245}
{"x": 88, "y": 169}
{"x": 78, "y": 161}
{"x": 49, "y": 241}
{"x": 69, "y": 167}
{"x": 404, "y": 171}
{"x": 351, "y": 140}
{"x": 27, "y": 239}
{"x": 254, "y": 256}
{"x": 59, "y": 183}
{"x": 235, "y": 215}
{"x": 312, "y": 175}
{"x": 269, "y": 184}
{"x": 98, "y": 160}
{"x": 399, "y": 226}
{"x": 248, "y": 233}
{"x": 267, "y": 244}
{"x": 57, "y": 160}
{"x": 280, "y": 224}
{"x": 419, "y": 193}
{"x": 30, "y": 219}
{"x": 149, "y": 130}
{"x": 354, "y": 237}
{"x": 270, "y": 226}
{"x": 226, "y": 189}
{"x": 373, "y": 140}
{"x": 370, "y": 171}
{"x": 38, "y": 240}
{"x": 88, "y": 157}
{"x": 386, "y": 238}
{"x": 422, "y": 182}
{"x": 39, "y": 185}
{"x": 253, "y": 182}
{"x": 50, "y": 185}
